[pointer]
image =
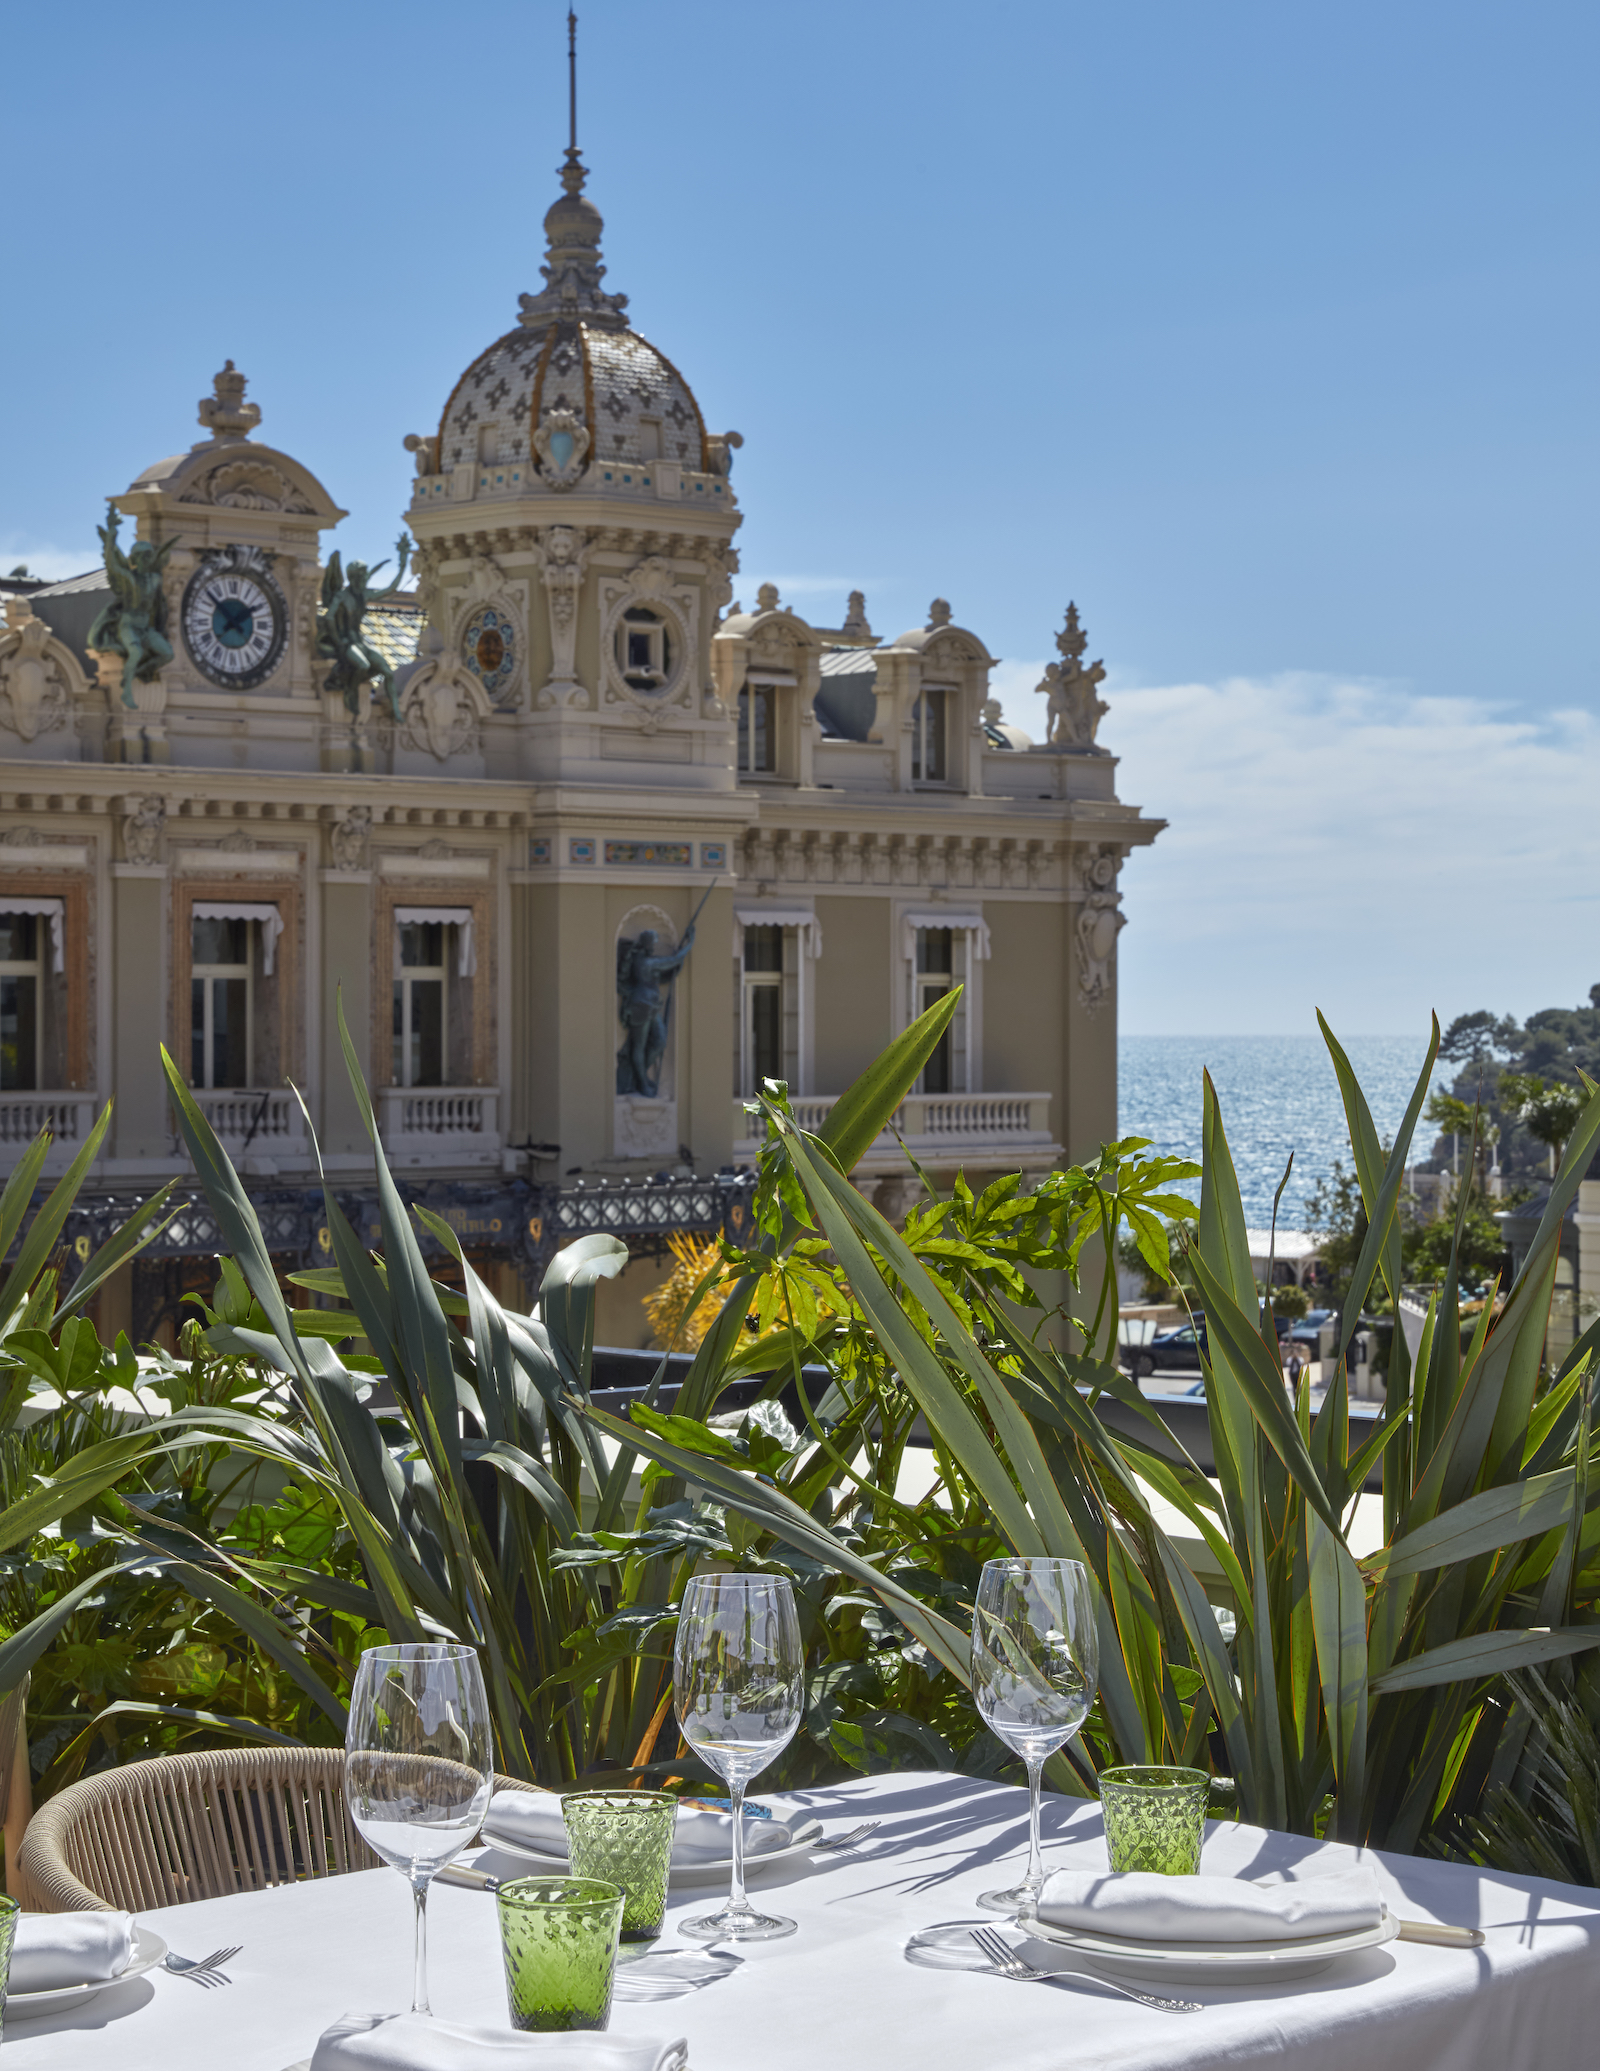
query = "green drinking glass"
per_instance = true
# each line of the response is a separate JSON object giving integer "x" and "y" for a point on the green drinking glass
{"x": 558, "y": 1936}
{"x": 9, "y": 1912}
{"x": 625, "y": 1838}
{"x": 1155, "y": 1818}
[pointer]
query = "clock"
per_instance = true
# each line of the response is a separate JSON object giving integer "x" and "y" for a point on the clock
{"x": 235, "y": 620}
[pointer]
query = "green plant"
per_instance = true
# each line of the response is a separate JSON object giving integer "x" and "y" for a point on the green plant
{"x": 1356, "y": 1692}
{"x": 462, "y": 1503}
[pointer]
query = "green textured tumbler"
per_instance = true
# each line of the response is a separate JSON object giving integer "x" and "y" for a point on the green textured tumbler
{"x": 1155, "y": 1818}
{"x": 625, "y": 1838}
{"x": 558, "y": 1936}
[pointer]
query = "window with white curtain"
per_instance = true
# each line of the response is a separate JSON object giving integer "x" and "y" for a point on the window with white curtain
{"x": 221, "y": 1003}
{"x": 421, "y": 1007}
{"x": 772, "y": 951}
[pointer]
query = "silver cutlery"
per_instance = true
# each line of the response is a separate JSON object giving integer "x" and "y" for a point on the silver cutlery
{"x": 203, "y": 1970}
{"x": 1444, "y": 1937}
{"x": 843, "y": 1841}
{"x": 1008, "y": 1964}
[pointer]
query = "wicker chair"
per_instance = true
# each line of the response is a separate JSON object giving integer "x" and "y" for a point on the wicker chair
{"x": 183, "y": 1827}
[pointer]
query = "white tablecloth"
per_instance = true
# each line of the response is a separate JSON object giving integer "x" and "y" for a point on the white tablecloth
{"x": 841, "y": 1994}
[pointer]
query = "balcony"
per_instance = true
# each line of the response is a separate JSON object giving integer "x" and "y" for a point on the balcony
{"x": 440, "y": 1125}
{"x": 946, "y": 1130}
{"x": 68, "y": 1116}
{"x": 260, "y": 1129}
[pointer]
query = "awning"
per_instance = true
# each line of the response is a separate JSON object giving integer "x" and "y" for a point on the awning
{"x": 247, "y": 909}
{"x": 779, "y": 917}
{"x": 432, "y": 916}
{"x": 972, "y": 924}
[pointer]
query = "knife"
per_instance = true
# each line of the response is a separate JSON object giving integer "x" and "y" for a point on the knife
{"x": 465, "y": 1875}
{"x": 1446, "y": 1937}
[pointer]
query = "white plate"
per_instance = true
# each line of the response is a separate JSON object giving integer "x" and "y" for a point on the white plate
{"x": 806, "y": 1835}
{"x": 148, "y": 1950}
{"x": 1216, "y": 1963}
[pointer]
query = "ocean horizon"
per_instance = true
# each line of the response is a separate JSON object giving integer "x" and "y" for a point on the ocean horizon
{"x": 1278, "y": 1095}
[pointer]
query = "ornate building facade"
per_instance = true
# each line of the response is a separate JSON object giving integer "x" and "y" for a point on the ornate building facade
{"x": 239, "y": 787}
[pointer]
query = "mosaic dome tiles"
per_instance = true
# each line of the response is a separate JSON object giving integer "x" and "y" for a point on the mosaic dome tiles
{"x": 635, "y": 403}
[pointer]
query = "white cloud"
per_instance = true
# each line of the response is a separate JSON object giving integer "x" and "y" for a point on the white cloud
{"x": 1350, "y": 845}
{"x": 54, "y": 564}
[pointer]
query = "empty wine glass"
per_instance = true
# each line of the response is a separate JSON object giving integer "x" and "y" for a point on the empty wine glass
{"x": 738, "y": 1686}
{"x": 418, "y": 1766}
{"x": 1035, "y": 1660}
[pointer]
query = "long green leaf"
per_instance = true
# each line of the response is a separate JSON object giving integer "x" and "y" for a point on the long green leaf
{"x": 861, "y": 1114}
{"x": 43, "y": 1231}
{"x": 1339, "y": 1625}
{"x": 1482, "y": 1524}
{"x": 1483, "y": 1654}
{"x": 77, "y": 1482}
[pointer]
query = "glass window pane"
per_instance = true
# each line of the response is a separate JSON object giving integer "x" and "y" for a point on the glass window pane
{"x": 230, "y": 1032}
{"x": 763, "y": 949}
{"x": 399, "y": 1067}
{"x": 19, "y": 938}
{"x": 427, "y": 1032}
{"x": 933, "y": 949}
{"x": 19, "y": 1035}
{"x": 221, "y": 942}
{"x": 936, "y": 1072}
{"x": 766, "y": 1031}
{"x": 422, "y": 944}
{"x": 197, "y": 1031}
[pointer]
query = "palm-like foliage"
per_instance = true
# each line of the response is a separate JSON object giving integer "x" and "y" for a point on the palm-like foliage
{"x": 460, "y": 1455}
{"x": 1367, "y": 1682}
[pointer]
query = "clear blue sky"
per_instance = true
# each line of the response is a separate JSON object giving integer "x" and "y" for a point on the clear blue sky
{"x": 1265, "y": 332}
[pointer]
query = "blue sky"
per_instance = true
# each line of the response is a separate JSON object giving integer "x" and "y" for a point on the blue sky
{"x": 1266, "y": 333}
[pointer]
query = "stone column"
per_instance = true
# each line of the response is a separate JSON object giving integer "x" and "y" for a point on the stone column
{"x": 137, "y": 971}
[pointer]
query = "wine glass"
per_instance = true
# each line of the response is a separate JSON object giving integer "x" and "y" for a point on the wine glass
{"x": 418, "y": 1765}
{"x": 738, "y": 1686}
{"x": 1035, "y": 1659}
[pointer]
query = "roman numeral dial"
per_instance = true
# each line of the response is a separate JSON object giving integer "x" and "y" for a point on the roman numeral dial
{"x": 235, "y": 620}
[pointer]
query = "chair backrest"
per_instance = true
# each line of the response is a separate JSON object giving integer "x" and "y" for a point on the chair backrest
{"x": 183, "y": 1827}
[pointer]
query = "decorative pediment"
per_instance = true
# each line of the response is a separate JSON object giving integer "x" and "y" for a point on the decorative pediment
{"x": 249, "y": 485}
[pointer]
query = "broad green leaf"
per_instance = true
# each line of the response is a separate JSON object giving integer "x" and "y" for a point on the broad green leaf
{"x": 1482, "y": 1524}
{"x": 1339, "y": 1624}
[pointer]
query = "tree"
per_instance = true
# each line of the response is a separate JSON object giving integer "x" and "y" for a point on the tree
{"x": 1548, "y": 1113}
{"x": 1475, "y": 1038}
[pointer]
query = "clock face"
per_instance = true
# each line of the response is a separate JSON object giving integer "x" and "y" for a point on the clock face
{"x": 234, "y": 624}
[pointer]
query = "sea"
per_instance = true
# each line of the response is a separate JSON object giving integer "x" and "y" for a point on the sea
{"x": 1278, "y": 1094}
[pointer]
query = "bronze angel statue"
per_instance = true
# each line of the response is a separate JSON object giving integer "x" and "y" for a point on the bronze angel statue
{"x": 134, "y": 623}
{"x": 345, "y": 602}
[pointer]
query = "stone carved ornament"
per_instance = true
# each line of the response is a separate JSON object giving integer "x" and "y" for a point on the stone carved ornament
{"x": 561, "y": 441}
{"x": 1075, "y": 709}
{"x": 442, "y": 709}
{"x": 38, "y": 676}
{"x": 562, "y": 555}
{"x": 143, "y": 823}
{"x": 1100, "y": 921}
{"x": 347, "y": 838}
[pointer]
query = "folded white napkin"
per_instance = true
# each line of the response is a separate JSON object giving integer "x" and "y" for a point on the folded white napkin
{"x": 532, "y": 1819}
{"x": 53, "y": 1950}
{"x": 1145, "y": 1907}
{"x": 414, "y": 2042}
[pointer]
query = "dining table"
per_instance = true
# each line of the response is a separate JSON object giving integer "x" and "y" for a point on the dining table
{"x": 880, "y": 1972}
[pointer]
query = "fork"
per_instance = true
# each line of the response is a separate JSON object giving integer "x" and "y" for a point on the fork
{"x": 843, "y": 1841}
{"x": 1008, "y": 1964}
{"x": 203, "y": 1971}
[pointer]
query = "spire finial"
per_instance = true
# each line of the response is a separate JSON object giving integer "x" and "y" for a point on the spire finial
{"x": 572, "y": 84}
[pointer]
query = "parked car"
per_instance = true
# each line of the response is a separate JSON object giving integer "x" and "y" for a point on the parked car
{"x": 1178, "y": 1350}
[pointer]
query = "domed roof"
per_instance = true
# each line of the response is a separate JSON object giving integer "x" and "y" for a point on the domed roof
{"x": 572, "y": 351}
